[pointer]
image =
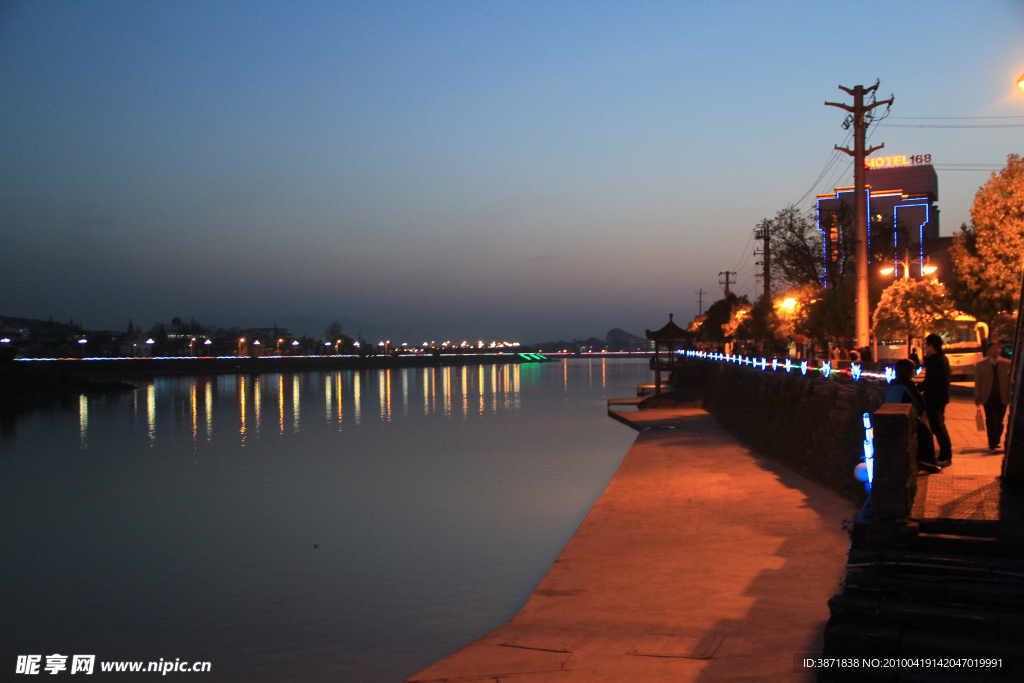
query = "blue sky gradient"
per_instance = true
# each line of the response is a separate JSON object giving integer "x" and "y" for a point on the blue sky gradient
{"x": 442, "y": 170}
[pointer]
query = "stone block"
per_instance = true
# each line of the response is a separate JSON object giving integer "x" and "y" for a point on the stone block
{"x": 895, "y": 466}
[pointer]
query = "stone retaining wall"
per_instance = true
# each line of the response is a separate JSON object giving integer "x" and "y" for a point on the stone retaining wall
{"x": 814, "y": 426}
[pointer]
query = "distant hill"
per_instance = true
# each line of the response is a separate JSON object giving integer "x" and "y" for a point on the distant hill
{"x": 616, "y": 340}
{"x": 620, "y": 340}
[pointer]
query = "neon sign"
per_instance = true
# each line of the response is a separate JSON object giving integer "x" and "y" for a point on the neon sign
{"x": 895, "y": 161}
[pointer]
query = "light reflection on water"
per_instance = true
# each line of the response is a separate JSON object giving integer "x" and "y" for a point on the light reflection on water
{"x": 179, "y": 520}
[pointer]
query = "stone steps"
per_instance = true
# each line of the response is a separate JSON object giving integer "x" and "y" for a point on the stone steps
{"x": 937, "y": 592}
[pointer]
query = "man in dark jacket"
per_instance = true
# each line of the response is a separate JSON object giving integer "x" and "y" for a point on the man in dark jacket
{"x": 935, "y": 389}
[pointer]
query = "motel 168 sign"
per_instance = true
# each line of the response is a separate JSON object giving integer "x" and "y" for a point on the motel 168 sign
{"x": 893, "y": 162}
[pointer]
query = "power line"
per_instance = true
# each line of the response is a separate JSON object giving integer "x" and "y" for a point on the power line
{"x": 951, "y": 118}
{"x": 833, "y": 158}
{"x": 746, "y": 249}
{"x": 951, "y": 125}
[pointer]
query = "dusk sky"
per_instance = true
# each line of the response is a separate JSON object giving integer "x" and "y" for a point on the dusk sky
{"x": 513, "y": 170}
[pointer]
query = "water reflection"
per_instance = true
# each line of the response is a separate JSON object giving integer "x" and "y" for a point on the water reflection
{"x": 489, "y": 389}
{"x": 83, "y": 421}
{"x": 151, "y": 413}
{"x": 463, "y": 504}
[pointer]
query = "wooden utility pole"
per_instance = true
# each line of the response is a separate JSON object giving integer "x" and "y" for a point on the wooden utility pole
{"x": 727, "y": 281}
{"x": 857, "y": 118}
{"x": 700, "y": 301}
{"x": 763, "y": 233}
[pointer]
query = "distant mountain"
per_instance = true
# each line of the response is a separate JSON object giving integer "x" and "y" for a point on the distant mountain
{"x": 620, "y": 340}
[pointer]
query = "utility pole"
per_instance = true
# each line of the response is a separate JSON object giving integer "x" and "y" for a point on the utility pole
{"x": 727, "y": 281}
{"x": 763, "y": 233}
{"x": 700, "y": 301}
{"x": 860, "y": 122}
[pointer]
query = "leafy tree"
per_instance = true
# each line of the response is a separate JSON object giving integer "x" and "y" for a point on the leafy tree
{"x": 796, "y": 247}
{"x": 830, "y": 313}
{"x": 912, "y": 308}
{"x": 987, "y": 254}
{"x": 738, "y": 324}
{"x": 720, "y": 320}
{"x": 696, "y": 324}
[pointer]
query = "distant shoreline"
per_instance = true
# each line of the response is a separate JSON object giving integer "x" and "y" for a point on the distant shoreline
{"x": 220, "y": 365}
{"x": 232, "y": 364}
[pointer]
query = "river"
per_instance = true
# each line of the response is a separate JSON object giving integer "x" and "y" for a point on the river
{"x": 345, "y": 526}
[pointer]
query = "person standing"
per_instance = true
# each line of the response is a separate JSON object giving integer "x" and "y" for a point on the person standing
{"x": 935, "y": 389}
{"x": 992, "y": 392}
{"x": 903, "y": 390}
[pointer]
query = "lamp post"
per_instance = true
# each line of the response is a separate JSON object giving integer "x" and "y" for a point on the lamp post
{"x": 906, "y": 262}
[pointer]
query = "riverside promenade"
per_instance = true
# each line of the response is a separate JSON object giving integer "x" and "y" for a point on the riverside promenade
{"x": 701, "y": 561}
{"x": 969, "y": 489}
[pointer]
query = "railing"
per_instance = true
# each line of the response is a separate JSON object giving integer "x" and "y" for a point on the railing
{"x": 813, "y": 368}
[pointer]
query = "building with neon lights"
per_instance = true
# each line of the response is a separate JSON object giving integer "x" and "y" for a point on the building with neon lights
{"x": 903, "y": 226}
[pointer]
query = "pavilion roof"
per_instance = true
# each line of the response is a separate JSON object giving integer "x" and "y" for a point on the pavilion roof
{"x": 670, "y": 332}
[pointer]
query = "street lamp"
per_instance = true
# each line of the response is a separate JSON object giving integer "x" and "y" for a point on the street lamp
{"x": 190, "y": 343}
{"x": 906, "y": 263}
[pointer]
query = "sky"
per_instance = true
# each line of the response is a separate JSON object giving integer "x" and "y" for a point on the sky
{"x": 519, "y": 171}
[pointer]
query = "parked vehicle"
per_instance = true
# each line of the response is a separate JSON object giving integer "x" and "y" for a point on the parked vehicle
{"x": 963, "y": 344}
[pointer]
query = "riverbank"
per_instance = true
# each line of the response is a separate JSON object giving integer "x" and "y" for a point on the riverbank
{"x": 700, "y": 561}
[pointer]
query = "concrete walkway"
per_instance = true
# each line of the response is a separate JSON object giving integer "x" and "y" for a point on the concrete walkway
{"x": 969, "y": 488}
{"x": 701, "y": 561}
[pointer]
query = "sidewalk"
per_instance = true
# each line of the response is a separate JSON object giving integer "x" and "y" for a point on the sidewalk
{"x": 701, "y": 561}
{"x": 969, "y": 488}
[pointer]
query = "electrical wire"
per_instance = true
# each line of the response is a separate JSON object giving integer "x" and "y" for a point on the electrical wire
{"x": 951, "y": 118}
{"x": 951, "y": 125}
{"x": 834, "y": 157}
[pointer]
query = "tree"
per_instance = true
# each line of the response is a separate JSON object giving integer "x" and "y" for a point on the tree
{"x": 912, "y": 308}
{"x": 796, "y": 249}
{"x": 720, "y": 320}
{"x": 987, "y": 254}
{"x": 333, "y": 331}
{"x": 830, "y": 312}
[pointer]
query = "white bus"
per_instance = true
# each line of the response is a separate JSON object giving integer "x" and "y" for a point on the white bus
{"x": 963, "y": 344}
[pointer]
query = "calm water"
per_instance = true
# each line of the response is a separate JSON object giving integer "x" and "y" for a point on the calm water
{"x": 179, "y": 521}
